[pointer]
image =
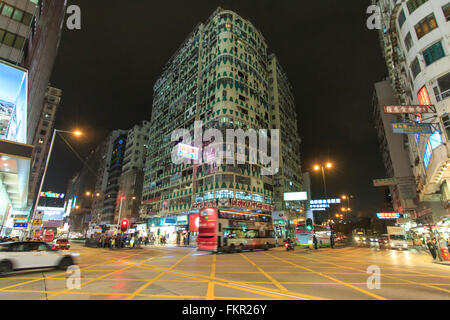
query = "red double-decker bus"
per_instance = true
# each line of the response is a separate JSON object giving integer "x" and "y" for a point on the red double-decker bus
{"x": 234, "y": 231}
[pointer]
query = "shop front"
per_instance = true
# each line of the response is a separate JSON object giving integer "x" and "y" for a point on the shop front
{"x": 168, "y": 228}
{"x": 284, "y": 228}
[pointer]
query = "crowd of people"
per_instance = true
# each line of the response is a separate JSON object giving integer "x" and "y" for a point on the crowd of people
{"x": 129, "y": 241}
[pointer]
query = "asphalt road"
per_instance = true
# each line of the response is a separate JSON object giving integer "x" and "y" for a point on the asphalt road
{"x": 157, "y": 273}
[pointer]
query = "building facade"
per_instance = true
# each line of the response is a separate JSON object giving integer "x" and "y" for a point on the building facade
{"x": 394, "y": 150}
{"x": 131, "y": 180}
{"x": 43, "y": 139}
{"x": 220, "y": 78}
{"x": 30, "y": 32}
{"x": 414, "y": 43}
{"x": 111, "y": 199}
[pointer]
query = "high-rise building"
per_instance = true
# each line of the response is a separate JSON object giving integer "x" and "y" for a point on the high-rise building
{"x": 42, "y": 140}
{"x": 414, "y": 43}
{"x": 394, "y": 150}
{"x": 283, "y": 117}
{"x": 29, "y": 38}
{"x": 111, "y": 192}
{"x": 132, "y": 178}
{"x": 220, "y": 77}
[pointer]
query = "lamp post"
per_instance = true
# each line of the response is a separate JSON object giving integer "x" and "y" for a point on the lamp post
{"x": 321, "y": 167}
{"x": 76, "y": 133}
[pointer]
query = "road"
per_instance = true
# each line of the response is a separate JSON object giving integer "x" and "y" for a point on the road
{"x": 169, "y": 273}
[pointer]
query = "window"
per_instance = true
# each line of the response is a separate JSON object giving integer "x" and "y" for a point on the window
{"x": 7, "y": 11}
{"x": 414, "y": 4}
{"x": 43, "y": 132}
{"x": 41, "y": 141}
{"x": 47, "y": 115}
{"x": 446, "y": 10}
{"x": 9, "y": 39}
{"x": 401, "y": 18}
{"x": 426, "y": 25}
{"x": 433, "y": 53}
{"x": 442, "y": 88}
{"x": 20, "y": 41}
{"x": 415, "y": 67}
{"x": 2, "y": 34}
{"x": 409, "y": 41}
{"x": 18, "y": 15}
{"x": 27, "y": 18}
{"x": 45, "y": 123}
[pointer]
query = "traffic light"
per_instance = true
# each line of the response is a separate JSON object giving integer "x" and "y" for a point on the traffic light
{"x": 309, "y": 224}
{"x": 244, "y": 228}
{"x": 124, "y": 225}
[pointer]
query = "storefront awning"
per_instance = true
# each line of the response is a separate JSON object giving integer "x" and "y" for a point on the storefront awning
{"x": 15, "y": 162}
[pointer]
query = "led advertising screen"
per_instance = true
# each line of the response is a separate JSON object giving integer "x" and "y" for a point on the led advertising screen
{"x": 13, "y": 103}
{"x": 52, "y": 213}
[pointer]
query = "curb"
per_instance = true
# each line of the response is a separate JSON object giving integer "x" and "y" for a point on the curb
{"x": 445, "y": 263}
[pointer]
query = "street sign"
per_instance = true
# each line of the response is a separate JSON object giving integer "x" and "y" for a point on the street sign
{"x": 385, "y": 182}
{"x": 412, "y": 128}
{"x": 37, "y": 222}
{"x": 407, "y": 109}
{"x": 20, "y": 225}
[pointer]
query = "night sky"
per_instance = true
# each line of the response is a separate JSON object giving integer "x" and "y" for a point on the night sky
{"x": 107, "y": 71}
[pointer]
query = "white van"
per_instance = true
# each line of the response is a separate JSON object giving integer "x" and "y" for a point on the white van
{"x": 397, "y": 238}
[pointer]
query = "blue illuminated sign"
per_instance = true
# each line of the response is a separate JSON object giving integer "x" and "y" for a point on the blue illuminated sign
{"x": 435, "y": 140}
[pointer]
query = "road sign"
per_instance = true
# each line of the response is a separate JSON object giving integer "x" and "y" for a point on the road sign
{"x": 407, "y": 109}
{"x": 384, "y": 182}
{"x": 412, "y": 128}
{"x": 37, "y": 222}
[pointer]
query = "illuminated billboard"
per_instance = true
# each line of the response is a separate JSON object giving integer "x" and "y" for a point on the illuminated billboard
{"x": 52, "y": 195}
{"x": 188, "y": 152}
{"x": 295, "y": 196}
{"x": 50, "y": 213}
{"x": 388, "y": 215}
{"x": 13, "y": 103}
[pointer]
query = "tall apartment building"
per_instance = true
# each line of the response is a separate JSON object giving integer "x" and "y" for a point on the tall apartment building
{"x": 219, "y": 76}
{"x": 394, "y": 150}
{"x": 283, "y": 117}
{"x": 42, "y": 140}
{"x": 414, "y": 43}
{"x": 132, "y": 178}
{"x": 111, "y": 198}
{"x": 29, "y": 38}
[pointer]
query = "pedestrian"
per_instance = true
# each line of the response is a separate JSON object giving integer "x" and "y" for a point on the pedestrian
{"x": 146, "y": 241}
{"x": 315, "y": 241}
{"x": 432, "y": 249}
{"x": 113, "y": 243}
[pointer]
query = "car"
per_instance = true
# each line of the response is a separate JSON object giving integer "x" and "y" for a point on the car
{"x": 33, "y": 255}
{"x": 61, "y": 244}
{"x": 383, "y": 241}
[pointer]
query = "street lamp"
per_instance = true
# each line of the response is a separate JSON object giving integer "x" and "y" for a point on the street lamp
{"x": 76, "y": 133}
{"x": 321, "y": 167}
